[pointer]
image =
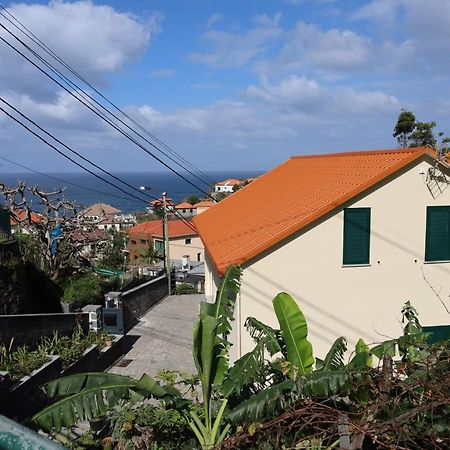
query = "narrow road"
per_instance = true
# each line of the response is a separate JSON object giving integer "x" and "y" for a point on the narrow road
{"x": 162, "y": 339}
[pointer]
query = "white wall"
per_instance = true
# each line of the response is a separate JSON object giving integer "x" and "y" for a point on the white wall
{"x": 353, "y": 301}
{"x": 178, "y": 248}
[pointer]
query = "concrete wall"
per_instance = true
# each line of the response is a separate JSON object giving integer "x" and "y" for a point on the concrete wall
{"x": 353, "y": 301}
{"x": 137, "y": 301}
{"x": 28, "y": 328}
{"x": 178, "y": 248}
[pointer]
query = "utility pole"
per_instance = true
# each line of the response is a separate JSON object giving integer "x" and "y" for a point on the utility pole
{"x": 166, "y": 241}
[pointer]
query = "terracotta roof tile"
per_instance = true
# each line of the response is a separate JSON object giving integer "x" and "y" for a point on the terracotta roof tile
{"x": 205, "y": 204}
{"x": 155, "y": 228}
{"x": 184, "y": 205}
{"x": 290, "y": 197}
{"x": 229, "y": 182}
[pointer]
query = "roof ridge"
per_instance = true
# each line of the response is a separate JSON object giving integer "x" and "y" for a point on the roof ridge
{"x": 367, "y": 152}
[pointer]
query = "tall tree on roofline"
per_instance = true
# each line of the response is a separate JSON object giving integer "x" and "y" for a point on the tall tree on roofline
{"x": 404, "y": 128}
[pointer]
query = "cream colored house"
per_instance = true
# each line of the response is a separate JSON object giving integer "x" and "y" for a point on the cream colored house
{"x": 183, "y": 240}
{"x": 351, "y": 236}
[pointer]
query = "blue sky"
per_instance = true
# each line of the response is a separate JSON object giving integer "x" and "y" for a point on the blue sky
{"x": 231, "y": 84}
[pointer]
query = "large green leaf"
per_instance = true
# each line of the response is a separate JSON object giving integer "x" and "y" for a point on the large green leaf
{"x": 335, "y": 356}
{"x": 226, "y": 298}
{"x": 89, "y": 395}
{"x": 266, "y": 402}
{"x": 278, "y": 397}
{"x": 245, "y": 370}
{"x": 295, "y": 332}
{"x": 362, "y": 358}
{"x": 272, "y": 339}
{"x": 73, "y": 384}
{"x": 323, "y": 384}
{"x": 205, "y": 353}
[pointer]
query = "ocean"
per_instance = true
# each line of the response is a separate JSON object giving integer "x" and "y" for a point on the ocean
{"x": 86, "y": 190}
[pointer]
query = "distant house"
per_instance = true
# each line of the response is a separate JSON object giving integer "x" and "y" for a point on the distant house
{"x": 185, "y": 209}
{"x": 99, "y": 211}
{"x": 88, "y": 241}
{"x": 204, "y": 206}
{"x": 19, "y": 221}
{"x": 183, "y": 241}
{"x": 227, "y": 186}
{"x": 351, "y": 236}
{"x": 106, "y": 217}
{"x": 158, "y": 203}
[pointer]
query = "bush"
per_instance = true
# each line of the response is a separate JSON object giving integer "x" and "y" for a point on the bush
{"x": 83, "y": 290}
{"x": 184, "y": 288}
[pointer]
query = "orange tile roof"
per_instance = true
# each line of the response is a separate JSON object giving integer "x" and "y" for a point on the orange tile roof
{"x": 205, "y": 204}
{"x": 155, "y": 228}
{"x": 291, "y": 196}
{"x": 229, "y": 182}
{"x": 184, "y": 205}
{"x": 21, "y": 216}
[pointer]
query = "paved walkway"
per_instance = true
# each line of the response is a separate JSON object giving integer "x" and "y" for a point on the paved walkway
{"x": 163, "y": 338}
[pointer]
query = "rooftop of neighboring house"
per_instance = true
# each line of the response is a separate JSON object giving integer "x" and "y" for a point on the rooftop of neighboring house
{"x": 90, "y": 236}
{"x": 204, "y": 204}
{"x": 159, "y": 201}
{"x": 177, "y": 228}
{"x": 229, "y": 182}
{"x": 99, "y": 210}
{"x": 21, "y": 216}
{"x": 294, "y": 194}
{"x": 184, "y": 205}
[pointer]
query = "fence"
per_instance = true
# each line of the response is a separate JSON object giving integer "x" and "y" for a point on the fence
{"x": 137, "y": 301}
{"x": 28, "y": 328}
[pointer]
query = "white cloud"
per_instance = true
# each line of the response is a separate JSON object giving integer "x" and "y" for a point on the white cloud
{"x": 309, "y": 97}
{"x": 232, "y": 49}
{"x": 64, "y": 111}
{"x": 94, "y": 39}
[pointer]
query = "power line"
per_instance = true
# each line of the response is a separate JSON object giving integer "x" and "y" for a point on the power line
{"x": 73, "y": 161}
{"x": 67, "y": 157}
{"x": 50, "y": 52}
{"x": 94, "y": 109}
{"x": 60, "y": 180}
{"x": 106, "y": 172}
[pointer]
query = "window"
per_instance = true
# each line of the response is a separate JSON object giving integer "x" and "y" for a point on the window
{"x": 187, "y": 241}
{"x": 437, "y": 238}
{"x": 133, "y": 242}
{"x": 356, "y": 236}
{"x": 199, "y": 255}
{"x": 143, "y": 241}
{"x": 159, "y": 246}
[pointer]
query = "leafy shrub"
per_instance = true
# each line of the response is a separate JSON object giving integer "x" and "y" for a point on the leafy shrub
{"x": 184, "y": 288}
{"x": 21, "y": 361}
{"x": 83, "y": 290}
{"x": 153, "y": 427}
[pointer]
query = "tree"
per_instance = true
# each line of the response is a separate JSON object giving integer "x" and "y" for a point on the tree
{"x": 52, "y": 229}
{"x": 404, "y": 128}
{"x": 113, "y": 257}
{"x": 423, "y": 135}
{"x": 192, "y": 199}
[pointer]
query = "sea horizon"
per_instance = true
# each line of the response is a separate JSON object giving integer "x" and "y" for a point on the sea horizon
{"x": 85, "y": 189}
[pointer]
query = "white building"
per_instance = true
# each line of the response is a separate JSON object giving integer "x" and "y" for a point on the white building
{"x": 227, "y": 186}
{"x": 350, "y": 236}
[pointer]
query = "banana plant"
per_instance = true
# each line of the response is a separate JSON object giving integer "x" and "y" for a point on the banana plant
{"x": 89, "y": 395}
{"x": 210, "y": 354}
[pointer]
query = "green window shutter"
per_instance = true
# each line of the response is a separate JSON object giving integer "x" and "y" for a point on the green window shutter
{"x": 437, "y": 239}
{"x": 356, "y": 236}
